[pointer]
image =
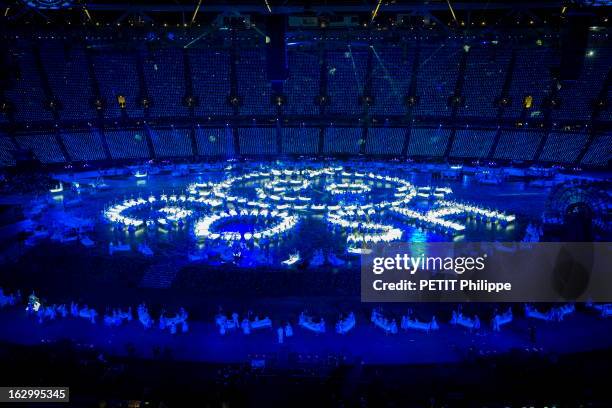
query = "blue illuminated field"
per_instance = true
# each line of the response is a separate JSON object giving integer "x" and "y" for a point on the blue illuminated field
{"x": 316, "y": 215}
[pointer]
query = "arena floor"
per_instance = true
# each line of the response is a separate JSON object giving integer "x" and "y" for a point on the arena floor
{"x": 108, "y": 240}
{"x": 312, "y": 230}
{"x": 581, "y": 332}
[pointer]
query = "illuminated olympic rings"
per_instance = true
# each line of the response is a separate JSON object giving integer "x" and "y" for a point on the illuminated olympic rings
{"x": 171, "y": 212}
{"x": 205, "y": 227}
{"x": 282, "y": 194}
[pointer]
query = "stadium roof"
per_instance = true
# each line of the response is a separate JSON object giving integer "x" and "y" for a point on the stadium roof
{"x": 293, "y": 6}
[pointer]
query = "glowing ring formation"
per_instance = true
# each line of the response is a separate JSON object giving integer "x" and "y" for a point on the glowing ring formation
{"x": 279, "y": 185}
{"x": 385, "y": 233}
{"x": 282, "y": 197}
{"x": 281, "y": 200}
{"x": 347, "y": 188}
{"x": 173, "y": 213}
{"x": 204, "y": 226}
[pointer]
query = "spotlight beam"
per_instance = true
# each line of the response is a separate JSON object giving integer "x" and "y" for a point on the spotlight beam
{"x": 375, "y": 12}
{"x": 452, "y": 11}
{"x": 35, "y": 10}
{"x": 355, "y": 70}
{"x": 387, "y": 74}
{"x": 258, "y": 31}
{"x": 198, "y": 38}
{"x": 195, "y": 12}
{"x": 87, "y": 14}
{"x": 268, "y": 6}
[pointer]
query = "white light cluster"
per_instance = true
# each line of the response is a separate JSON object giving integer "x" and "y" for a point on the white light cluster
{"x": 435, "y": 192}
{"x": 448, "y": 208}
{"x": 292, "y": 260}
{"x": 175, "y": 214}
{"x": 385, "y": 233}
{"x": 281, "y": 200}
{"x": 299, "y": 201}
{"x": 114, "y": 213}
{"x": 203, "y": 227}
{"x": 491, "y": 215}
{"x": 285, "y": 185}
{"x": 222, "y": 189}
{"x": 428, "y": 218}
{"x": 348, "y": 188}
{"x": 172, "y": 213}
{"x": 280, "y": 194}
{"x": 173, "y": 198}
{"x": 212, "y": 202}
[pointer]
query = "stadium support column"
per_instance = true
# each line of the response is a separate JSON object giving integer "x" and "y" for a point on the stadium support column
{"x": 279, "y": 134}
{"x": 412, "y": 96}
{"x": 51, "y": 102}
{"x": 574, "y": 32}
{"x": 456, "y": 101}
{"x": 188, "y": 94}
{"x": 277, "y": 67}
{"x": 95, "y": 91}
{"x": 234, "y": 90}
{"x": 321, "y": 141}
{"x": 598, "y": 105}
{"x": 143, "y": 91}
{"x": 322, "y": 92}
{"x": 493, "y": 147}
{"x": 366, "y": 100}
{"x": 5, "y": 78}
{"x": 505, "y": 95}
{"x": 364, "y": 136}
{"x": 10, "y": 131}
{"x": 143, "y": 94}
{"x": 147, "y": 132}
{"x": 549, "y": 103}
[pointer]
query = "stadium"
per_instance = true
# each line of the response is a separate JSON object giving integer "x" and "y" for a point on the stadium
{"x": 191, "y": 193}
